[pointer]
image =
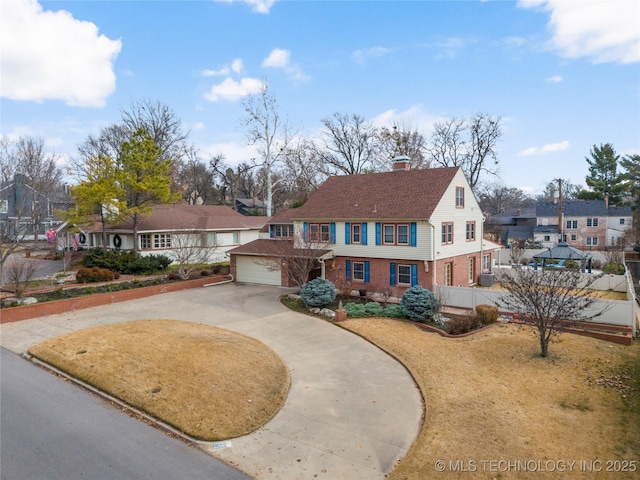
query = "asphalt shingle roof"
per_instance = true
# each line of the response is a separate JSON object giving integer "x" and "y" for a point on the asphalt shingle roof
{"x": 407, "y": 194}
{"x": 201, "y": 217}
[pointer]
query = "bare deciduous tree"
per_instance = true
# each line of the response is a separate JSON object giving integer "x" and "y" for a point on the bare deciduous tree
{"x": 20, "y": 271}
{"x": 495, "y": 197}
{"x": 402, "y": 139}
{"x": 468, "y": 144}
{"x": 190, "y": 248}
{"x": 30, "y": 177}
{"x": 299, "y": 260}
{"x": 268, "y": 133}
{"x": 549, "y": 300}
{"x": 348, "y": 146}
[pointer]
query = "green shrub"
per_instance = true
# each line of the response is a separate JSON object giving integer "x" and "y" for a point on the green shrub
{"x": 614, "y": 268}
{"x": 125, "y": 261}
{"x": 355, "y": 310}
{"x": 418, "y": 304}
{"x": 571, "y": 264}
{"x": 147, "y": 264}
{"x": 373, "y": 309}
{"x": 94, "y": 274}
{"x": 114, "y": 260}
{"x": 318, "y": 292}
{"x": 487, "y": 314}
{"x": 460, "y": 325}
{"x": 393, "y": 311}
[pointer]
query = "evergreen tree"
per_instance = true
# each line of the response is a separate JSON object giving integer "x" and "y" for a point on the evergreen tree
{"x": 143, "y": 175}
{"x": 603, "y": 178}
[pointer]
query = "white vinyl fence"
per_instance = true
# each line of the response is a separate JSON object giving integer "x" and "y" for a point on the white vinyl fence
{"x": 616, "y": 312}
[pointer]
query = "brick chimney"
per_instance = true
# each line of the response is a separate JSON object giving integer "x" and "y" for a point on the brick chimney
{"x": 606, "y": 200}
{"x": 400, "y": 163}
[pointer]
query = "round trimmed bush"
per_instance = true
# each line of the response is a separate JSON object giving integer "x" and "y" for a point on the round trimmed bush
{"x": 418, "y": 304}
{"x": 318, "y": 292}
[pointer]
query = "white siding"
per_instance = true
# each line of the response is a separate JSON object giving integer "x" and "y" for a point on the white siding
{"x": 446, "y": 211}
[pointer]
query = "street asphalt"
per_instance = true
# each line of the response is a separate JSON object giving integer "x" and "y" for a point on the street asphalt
{"x": 352, "y": 411}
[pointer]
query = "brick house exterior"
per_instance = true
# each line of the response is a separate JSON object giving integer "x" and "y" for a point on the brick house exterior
{"x": 385, "y": 232}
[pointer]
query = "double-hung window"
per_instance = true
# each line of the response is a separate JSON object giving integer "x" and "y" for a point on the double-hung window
{"x": 447, "y": 233}
{"x": 389, "y": 234}
{"x": 572, "y": 224}
{"x": 404, "y": 274}
{"x": 592, "y": 222}
{"x": 592, "y": 241}
{"x": 471, "y": 231}
{"x": 396, "y": 234}
{"x": 319, "y": 232}
{"x": 459, "y": 197}
{"x": 403, "y": 235}
{"x": 358, "y": 271}
{"x": 356, "y": 233}
{"x": 283, "y": 231}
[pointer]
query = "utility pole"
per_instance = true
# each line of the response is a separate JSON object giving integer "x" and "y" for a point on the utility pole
{"x": 560, "y": 226}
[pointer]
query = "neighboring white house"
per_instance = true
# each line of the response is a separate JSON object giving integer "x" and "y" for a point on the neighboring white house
{"x": 215, "y": 228}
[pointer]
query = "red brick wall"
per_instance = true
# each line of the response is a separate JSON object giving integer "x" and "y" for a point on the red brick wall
{"x": 379, "y": 273}
{"x": 15, "y": 314}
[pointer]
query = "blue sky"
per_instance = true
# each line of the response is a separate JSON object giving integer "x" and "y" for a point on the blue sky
{"x": 564, "y": 75}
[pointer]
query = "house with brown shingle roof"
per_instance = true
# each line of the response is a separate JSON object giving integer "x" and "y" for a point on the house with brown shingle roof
{"x": 382, "y": 232}
{"x": 168, "y": 227}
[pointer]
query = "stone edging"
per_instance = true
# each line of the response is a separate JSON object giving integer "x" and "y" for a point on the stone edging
{"x": 15, "y": 314}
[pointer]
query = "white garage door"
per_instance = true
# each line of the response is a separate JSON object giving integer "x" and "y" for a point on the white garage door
{"x": 253, "y": 270}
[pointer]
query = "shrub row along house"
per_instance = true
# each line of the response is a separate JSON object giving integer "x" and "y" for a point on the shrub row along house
{"x": 379, "y": 232}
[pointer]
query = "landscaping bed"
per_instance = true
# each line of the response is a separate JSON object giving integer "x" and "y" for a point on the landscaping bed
{"x": 88, "y": 296}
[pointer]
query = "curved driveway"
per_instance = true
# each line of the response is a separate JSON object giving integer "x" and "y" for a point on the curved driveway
{"x": 352, "y": 411}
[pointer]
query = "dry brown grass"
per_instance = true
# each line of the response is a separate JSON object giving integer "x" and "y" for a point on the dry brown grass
{"x": 207, "y": 382}
{"x": 490, "y": 396}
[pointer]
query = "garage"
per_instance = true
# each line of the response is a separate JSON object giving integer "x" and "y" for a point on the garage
{"x": 254, "y": 269}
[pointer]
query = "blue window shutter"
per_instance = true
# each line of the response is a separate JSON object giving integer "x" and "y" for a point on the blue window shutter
{"x": 414, "y": 274}
{"x": 347, "y": 233}
{"x": 413, "y": 234}
{"x": 347, "y": 269}
{"x": 363, "y": 235}
{"x": 305, "y": 231}
{"x": 366, "y": 271}
{"x": 333, "y": 232}
{"x": 378, "y": 233}
{"x": 392, "y": 274}
{"x": 271, "y": 231}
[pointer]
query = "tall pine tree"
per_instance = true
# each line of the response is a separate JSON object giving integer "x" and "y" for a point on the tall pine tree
{"x": 603, "y": 178}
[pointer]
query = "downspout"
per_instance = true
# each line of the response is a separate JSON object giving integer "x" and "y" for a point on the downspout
{"x": 482, "y": 245}
{"x": 433, "y": 248}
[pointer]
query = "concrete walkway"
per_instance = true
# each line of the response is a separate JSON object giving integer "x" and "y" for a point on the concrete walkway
{"x": 352, "y": 411}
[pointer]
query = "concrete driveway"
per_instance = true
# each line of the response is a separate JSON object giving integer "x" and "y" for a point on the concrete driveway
{"x": 352, "y": 411}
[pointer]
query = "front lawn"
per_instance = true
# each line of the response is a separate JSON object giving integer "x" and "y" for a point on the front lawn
{"x": 491, "y": 397}
{"x": 209, "y": 383}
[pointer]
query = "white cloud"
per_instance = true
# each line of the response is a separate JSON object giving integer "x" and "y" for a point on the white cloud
{"x": 235, "y": 67}
{"x": 257, "y": 6}
{"x": 414, "y": 117}
{"x": 606, "y": 31}
{"x": 547, "y": 148}
{"x": 361, "y": 56}
{"x": 234, "y": 152}
{"x": 554, "y": 79}
{"x": 51, "y": 55}
{"x": 232, "y": 90}
{"x": 280, "y": 58}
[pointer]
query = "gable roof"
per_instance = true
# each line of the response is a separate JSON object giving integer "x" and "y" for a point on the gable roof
{"x": 406, "y": 194}
{"x": 573, "y": 208}
{"x": 277, "y": 248}
{"x": 182, "y": 216}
